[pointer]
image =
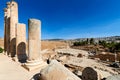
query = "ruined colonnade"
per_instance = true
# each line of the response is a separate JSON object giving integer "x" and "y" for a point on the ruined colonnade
{"x": 15, "y": 38}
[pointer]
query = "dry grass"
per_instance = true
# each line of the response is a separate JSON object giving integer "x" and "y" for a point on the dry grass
{"x": 45, "y": 44}
{"x": 1, "y": 42}
{"x": 53, "y": 44}
{"x": 110, "y": 57}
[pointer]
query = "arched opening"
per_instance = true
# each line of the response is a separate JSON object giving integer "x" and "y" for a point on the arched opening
{"x": 21, "y": 52}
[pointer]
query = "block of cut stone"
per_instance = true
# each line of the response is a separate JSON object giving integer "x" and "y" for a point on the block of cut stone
{"x": 90, "y": 74}
{"x": 56, "y": 71}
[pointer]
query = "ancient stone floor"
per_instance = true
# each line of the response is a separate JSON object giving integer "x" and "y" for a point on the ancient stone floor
{"x": 10, "y": 70}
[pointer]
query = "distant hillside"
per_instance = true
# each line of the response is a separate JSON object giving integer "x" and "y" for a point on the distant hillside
{"x": 53, "y": 40}
{"x": 58, "y": 41}
{"x": 112, "y": 38}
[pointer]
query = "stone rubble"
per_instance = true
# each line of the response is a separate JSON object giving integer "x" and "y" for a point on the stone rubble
{"x": 56, "y": 71}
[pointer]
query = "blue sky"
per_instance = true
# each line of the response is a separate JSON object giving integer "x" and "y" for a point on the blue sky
{"x": 68, "y": 19}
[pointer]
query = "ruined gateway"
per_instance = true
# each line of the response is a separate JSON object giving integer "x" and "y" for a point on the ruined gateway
{"x": 70, "y": 65}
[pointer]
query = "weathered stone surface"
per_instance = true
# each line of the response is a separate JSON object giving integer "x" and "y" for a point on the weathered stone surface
{"x": 21, "y": 42}
{"x": 34, "y": 42}
{"x": 72, "y": 52}
{"x": 34, "y": 39}
{"x": 5, "y": 31}
{"x": 90, "y": 74}
{"x": 13, "y": 22}
{"x": 35, "y": 64}
{"x": 14, "y": 11}
{"x": 8, "y": 9}
{"x": 56, "y": 71}
{"x": 7, "y": 28}
{"x": 115, "y": 77}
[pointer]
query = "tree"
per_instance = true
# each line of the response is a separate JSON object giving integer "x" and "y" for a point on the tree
{"x": 117, "y": 47}
{"x": 80, "y": 43}
{"x": 91, "y": 41}
{"x": 111, "y": 46}
{"x": 87, "y": 41}
{"x": 103, "y": 43}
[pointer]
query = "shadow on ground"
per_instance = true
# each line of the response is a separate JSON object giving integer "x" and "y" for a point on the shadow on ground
{"x": 36, "y": 77}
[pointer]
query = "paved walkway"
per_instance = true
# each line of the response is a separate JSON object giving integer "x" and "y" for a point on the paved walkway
{"x": 10, "y": 70}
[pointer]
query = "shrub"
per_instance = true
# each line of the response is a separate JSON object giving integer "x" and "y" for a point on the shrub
{"x": 1, "y": 50}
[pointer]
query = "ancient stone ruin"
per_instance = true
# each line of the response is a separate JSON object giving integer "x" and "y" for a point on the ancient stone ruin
{"x": 33, "y": 39}
{"x": 21, "y": 42}
{"x": 15, "y": 38}
{"x": 56, "y": 71}
{"x": 90, "y": 74}
{"x": 10, "y": 23}
{"x": 73, "y": 64}
{"x": 34, "y": 56}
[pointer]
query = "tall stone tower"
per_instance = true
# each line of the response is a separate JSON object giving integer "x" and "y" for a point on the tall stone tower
{"x": 13, "y": 23}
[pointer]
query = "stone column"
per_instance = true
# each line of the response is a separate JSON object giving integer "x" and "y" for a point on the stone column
{"x": 21, "y": 42}
{"x": 8, "y": 29}
{"x": 34, "y": 41}
{"x": 13, "y": 22}
{"x": 5, "y": 27}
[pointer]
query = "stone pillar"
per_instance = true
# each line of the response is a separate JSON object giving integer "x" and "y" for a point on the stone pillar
{"x": 13, "y": 23}
{"x": 34, "y": 41}
{"x": 5, "y": 27}
{"x": 8, "y": 28}
{"x": 21, "y": 42}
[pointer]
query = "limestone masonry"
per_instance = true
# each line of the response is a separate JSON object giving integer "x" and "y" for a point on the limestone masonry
{"x": 21, "y": 42}
{"x": 15, "y": 38}
{"x": 55, "y": 63}
{"x": 34, "y": 39}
